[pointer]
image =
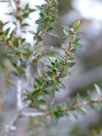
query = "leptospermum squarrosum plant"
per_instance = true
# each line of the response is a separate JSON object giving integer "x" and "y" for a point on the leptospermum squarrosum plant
{"x": 24, "y": 56}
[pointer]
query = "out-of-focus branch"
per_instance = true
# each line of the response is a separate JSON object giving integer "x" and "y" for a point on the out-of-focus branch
{"x": 11, "y": 127}
{"x": 85, "y": 126}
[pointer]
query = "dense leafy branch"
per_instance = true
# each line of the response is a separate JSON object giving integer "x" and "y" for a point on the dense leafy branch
{"x": 50, "y": 80}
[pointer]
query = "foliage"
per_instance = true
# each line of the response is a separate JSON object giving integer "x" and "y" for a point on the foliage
{"x": 20, "y": 54}
{"x": 49, "y": 81}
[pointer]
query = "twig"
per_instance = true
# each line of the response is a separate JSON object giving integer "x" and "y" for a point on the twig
{"x": 11, "y": 127}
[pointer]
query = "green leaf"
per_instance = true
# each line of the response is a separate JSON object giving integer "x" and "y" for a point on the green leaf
{"x": 98, "y": 89}
{"x": 42, "y": 102}
{"x": 76, "y": 25}
{"x": 7, "y": 31}
{"x": 24, "y": 25}
{"x": 15, "y": 42}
